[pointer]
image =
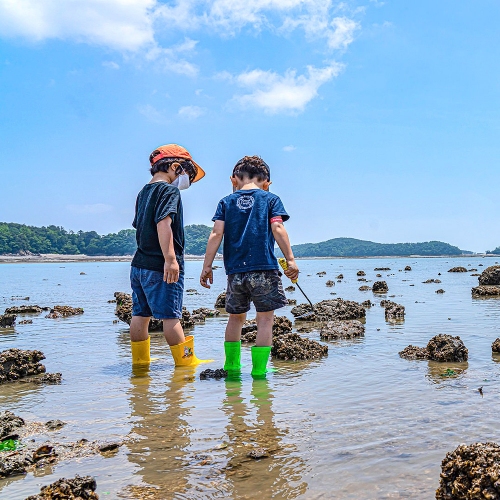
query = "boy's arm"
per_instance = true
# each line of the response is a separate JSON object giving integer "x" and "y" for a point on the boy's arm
{"x": 213, "y": 245}
{"x": 281, "y": 237}
{"x": 166, "y": 239}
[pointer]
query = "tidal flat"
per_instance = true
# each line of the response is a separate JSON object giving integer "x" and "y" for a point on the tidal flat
{"x": 361, "y": 423}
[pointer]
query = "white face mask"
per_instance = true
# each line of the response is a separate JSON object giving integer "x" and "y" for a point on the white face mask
{"x": 182, "y": 182}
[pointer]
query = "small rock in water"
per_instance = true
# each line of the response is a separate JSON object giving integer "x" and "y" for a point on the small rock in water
{"x": 291, "y": 346}
{"x": 440, "y": 348}
{"x": 440, "y": 291}
{"x": 26, "y": 322}
{"x": 64, "y": 312}
{"x": 327, "y": 310}
{"x": 360, "y": 273}
{"x": 495, "y": 347}
{"x": 220, "y": 302}
{"x": 7, "y": 320}
{"x": 290, "y": 288}
{"x": 9, "y": 423}
{"x": 408, "y": 268}
{"x": 382, "y": 269}
{"x": 380, "y": 287}
{"x": 330, "y": 283}
{"x": 364, "y": 288}
{"x": 321, "y": 273}
{"x": 216, "y": 374}
{"x": 340, "y": 277}
{"x": 366, "y": 303}
{"x": 486, "y": 291}
{"x": 46, "y": 378}
{"x": 16, "y": 364}
{"x": 78, "y": 488}
{"x": 34, "y": 309}
{"x": 257, "y": 453}
{"x": 292, "y": 302}
{"x": 342, "y": 330}
{"x": 458, "y": 269}
{"x": 431, "y": 281}
{"x": 54, "y": 425}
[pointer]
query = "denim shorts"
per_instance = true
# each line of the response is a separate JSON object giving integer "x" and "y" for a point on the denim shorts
{"x": 263, "y": 288}
{"x": 151, "y": 296}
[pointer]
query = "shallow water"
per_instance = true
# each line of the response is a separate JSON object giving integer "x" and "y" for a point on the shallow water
{"x": 361, "y": 423}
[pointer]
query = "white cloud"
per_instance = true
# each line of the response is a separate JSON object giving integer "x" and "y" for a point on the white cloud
{"x": 151, "y": 113}
{"x": 111, "y": 65}
{"x": 289, "y": 149}
{"x": 97, "y": 208}
{"x": 275, "y": 93}
{"x": 191, "y": 112}
{"x": 119, "y": 24}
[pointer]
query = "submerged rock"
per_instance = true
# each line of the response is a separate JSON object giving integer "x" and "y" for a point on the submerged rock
{"x": 342, "y": 330}
{"x": 382, "y": 269}
{"x": 292, "y": 302}
{"x": 8, "y": 424}
{"x": 53, "y": 425}
{"x": 281, "y": 325}
{"x": 458, "y": 269}
{"x": 486, "y": 291}
{"x": 25, "y": 322}
{"x": 7, "y": 320}
{"x": 24, "y": 310}
{"x": 340, "y": 277}
{"x": 490, "y": 276}
{"x": 330, "y": 283}
{"x": 200, "y": 314}
{"x": 220, "y": 302}
{"x": 366, "y": 303}
{"x": 471, "y": 472}
{"x": 216, "y": 374}
{"x": 290, "y": 288}
{"x": 321, "y": 273}
{"x": 16, "y": 364}
{"x": 440, "y": 291}
{"x": 408, "y": 268}
{"x": 380, "y": 287}
{"x": 64, "y": 312}
{"x": 495, "y": 347}
{"x": 440, "y": 348}
{"x": 78, "y": 488}
{"x": 46, "y": 378}
{"x": 393, "y": 311}
{"x": 364, "y": 288}
{"x": 360, "y": 273}
{"x": 291, "y": 346}
{"x": 432, "y": 281}
{"x": 327, "y": 310}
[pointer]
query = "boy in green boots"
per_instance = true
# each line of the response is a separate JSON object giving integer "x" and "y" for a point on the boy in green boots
{"x": 251, "y": 221}
{"x": 157, "y": 273}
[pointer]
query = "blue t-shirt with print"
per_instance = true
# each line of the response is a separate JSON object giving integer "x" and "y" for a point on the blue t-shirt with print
{"x": 248, "y": 238}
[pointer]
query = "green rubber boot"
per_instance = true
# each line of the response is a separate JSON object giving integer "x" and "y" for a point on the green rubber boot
{"x": 260, "y": 357}
{"x": 233, "y": 356}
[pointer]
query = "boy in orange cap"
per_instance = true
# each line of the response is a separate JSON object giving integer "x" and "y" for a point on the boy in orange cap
{"x": 157, "y": 273}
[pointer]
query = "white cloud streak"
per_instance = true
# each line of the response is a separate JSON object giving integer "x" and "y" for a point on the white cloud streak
{"x": 290, "y": 92}
{"x": 191, "y": 112}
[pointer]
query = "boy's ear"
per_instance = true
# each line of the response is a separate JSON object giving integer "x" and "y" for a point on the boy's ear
{"x": 234, "y": 182}
{"x": 266, "y": 185}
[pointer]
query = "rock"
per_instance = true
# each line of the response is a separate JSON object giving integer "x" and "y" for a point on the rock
{"x": 216, "y": 374}
{"x": 23, "y": 310}
{"x": 470, "y": 472}
{"x": 292, "y": 302}
{"x": 340, "y": 277}
{"x": 192, "y": 291}
{"x": 332, "y": 309}
{"x": 412, "y": 352}
{"x": 25, "y": 322}
{"x": 205, "y": 312}
{"x": 473, "y": 270}
{"x": 495, "y": 347}
{"x": 291, "y": 346}
{"x": 16, "y": 364}
{"x": 53, "y": 425}
{"x": 360, "y": 273}
{"x": 440, "y": 348}
{"x": 431, "y": 281}
{"x": 361, "y": 279}
{"x": 364, "y": 288}
{"x": 107, "y": 447}
{"x": 46, "y": 378}
{"x": 64, "y": 312}
{"x": 380, "y": 287}
{"x": 9, "y": 423}
{"x": 366, "y": 303}
{"x": 393, "y": 311}
{"x": 440, "y": 291}
{"x": 486, "y": 291}
{"x": 382, "y": 269}
{"x": 220, "y": 303}
{"x": 458, "y": 269}
{"x": 257, "y": 453}
{"x": 290, "y": 289}
{"x": 7, "y": 320}
{"x": 490, "y": 276}
{"x": 82, "y": 273}
{"x": 321, "y": 273}
{"x": 475, "y": 274}
{"x": 281, "y": 325}
{"x": 78, "y": 488}
{"x": 408, "y": 268}
{"x": 330, "y": 283}
{"x": 186, "y": 320}
{"x": 342, "y": 330}
{"x": 378, "y": 275}
{"x": 13, "y": 465}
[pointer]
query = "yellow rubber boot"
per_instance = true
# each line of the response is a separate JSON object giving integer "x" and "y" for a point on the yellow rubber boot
{"x": 140, "y": 352}
{"x": 184, "y": 355}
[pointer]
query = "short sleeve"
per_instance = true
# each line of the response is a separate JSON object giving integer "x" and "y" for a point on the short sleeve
{"x": 276, "y": 209}
{"x": 220, "y": 213}
{"x": 167, "y": 204}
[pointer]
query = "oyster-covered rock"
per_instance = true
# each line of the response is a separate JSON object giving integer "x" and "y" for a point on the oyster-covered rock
{"x": 7, "y": 320}
{"x": 458, "y": 269}
{"x": 440, "y": 348}
{"x": 490, "y": 276}
{"x": 78, "y": 488}
{"x": 486, "y": 291}
{"x": 327, "y": 310}
{"x": 471, "y": 472}
{"x": 220, "y": 302}
{"x": 34, "y": 309}
{"x": 281, "y": 325}
{"x": 380, "y": 287}
{"x": 342, "y": 330}
{"x": 291, "y": 346}
{"x": 64, "y": 312}
{"x": 495, "y": 347}
{"x": 16, "y": 364}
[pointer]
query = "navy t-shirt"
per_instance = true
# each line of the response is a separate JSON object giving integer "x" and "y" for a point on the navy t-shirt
{"x": 248, "y": 238}
{"x": 154, "y": 203}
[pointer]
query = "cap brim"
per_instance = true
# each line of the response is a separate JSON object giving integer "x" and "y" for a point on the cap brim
{"x": 200, "y": 174}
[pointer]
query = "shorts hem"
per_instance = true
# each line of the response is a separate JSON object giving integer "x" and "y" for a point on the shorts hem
{"x": 271, "y": 307}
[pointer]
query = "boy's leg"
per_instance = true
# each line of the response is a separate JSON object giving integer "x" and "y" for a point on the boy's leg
{"x": 265, "y": 322}
{"x": 173, "y": 332}
{"x": 234, "y": 326}
{"x": 139, "y": 329}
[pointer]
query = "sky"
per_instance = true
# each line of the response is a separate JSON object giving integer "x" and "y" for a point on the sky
{"x": 379, "y": 119}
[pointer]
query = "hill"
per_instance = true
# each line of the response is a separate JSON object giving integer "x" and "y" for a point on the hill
{"x": 494, "y": 252}
{"x": 350, "y": 247}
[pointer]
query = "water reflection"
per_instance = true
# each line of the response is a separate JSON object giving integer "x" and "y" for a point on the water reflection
{"x": 495, "y": 356}
{"x": 252, "y": 430}
{"x": 441, "y": 372}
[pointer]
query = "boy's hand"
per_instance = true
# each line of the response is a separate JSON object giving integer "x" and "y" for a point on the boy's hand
{"x": 171, "y": 271}
{"x": 292, "y": 270}
{"x": 207, "y": 276}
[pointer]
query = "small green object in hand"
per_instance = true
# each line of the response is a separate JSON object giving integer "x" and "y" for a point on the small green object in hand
{"x": 9, "y": 445}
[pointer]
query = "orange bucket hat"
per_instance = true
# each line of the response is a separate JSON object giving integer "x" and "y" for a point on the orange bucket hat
{"x": 176, "y": 151}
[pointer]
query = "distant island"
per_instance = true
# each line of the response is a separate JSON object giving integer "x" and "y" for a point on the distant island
{"x": 22, "y": 239}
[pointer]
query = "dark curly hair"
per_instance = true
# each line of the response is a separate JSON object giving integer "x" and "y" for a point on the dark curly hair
{"x": 180, "y": 164}
{"x": 252, "y": 167}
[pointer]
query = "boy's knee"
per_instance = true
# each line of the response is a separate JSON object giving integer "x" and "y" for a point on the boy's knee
{"x": 238, "y": 318}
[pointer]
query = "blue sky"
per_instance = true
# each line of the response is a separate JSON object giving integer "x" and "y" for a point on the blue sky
{"x": 379, "y": 119}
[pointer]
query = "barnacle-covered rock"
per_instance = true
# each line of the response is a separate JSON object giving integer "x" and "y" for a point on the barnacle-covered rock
{"x": 408, "y": 268}
{"x": 342, "y": 330}
{"x": 78, "y": 488}
{"x": 495, "y": 347}
{"x": 458, "y": 269}
{"x": 364, "y": 288}
{"x": 34, "y": 309}
{"x": 393, "y": 311}
{"x": 440, "y": 348}
{"x": 366, "y": 303}
{"x": 382, "y": 269}
{"x": 7, "y": 320}
{"x": 291, "y": 346}
{"x": 360, "y": 273}
{"x": 413, "y": 352}
{"x": 16, "y": 364}
{"x": 64, "y": 312}
{"x": 281, "y": 326}
{"x": 380, "y": 287}
{"x": 330, "y": 283}
{"x": 471, "y": 472}
{"x": 9, "y": 423}
{"x": 486, "y": 291}
{"x": 440, "y": 291}
{"x": 340, "y": 277}
{"x": 220, "y": 302}
{"x": 290, "y": 288}
{"x": 490, "y": 276}
{"x": 327, "y": 310}
{"x": 432, "y": 280}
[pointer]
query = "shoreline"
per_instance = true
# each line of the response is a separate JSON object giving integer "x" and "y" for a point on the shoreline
{"x": 58, "y": 258}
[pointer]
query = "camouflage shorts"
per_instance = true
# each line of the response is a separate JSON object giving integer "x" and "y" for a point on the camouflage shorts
{"x": 263, "y": 288}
